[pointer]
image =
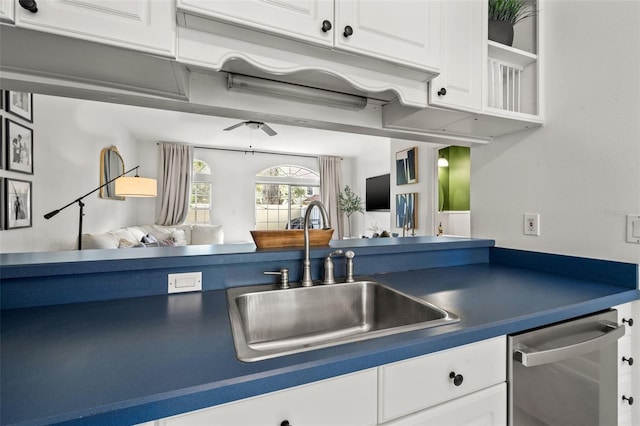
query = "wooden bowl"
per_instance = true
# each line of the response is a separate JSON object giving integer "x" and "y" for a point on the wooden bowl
{"x": 290, "y": 237}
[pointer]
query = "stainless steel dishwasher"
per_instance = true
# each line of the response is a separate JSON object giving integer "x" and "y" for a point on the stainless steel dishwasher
{"x": 566, "y": 373}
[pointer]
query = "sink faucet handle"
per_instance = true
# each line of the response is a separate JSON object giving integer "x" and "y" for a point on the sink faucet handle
{"x": 349, "y": 255}
{"x": 284, "y": 277}
{"x": 329, "y": 278}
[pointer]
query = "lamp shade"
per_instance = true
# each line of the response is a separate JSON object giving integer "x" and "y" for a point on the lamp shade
{"x": 136, "y": 187}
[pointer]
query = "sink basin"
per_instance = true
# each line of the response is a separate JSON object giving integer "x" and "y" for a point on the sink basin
{"x": 267, "y": 322}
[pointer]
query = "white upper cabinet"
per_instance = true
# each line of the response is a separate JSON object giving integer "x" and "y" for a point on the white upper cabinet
{"x": 403, "y": 32}
{"x": 302, "y": 20}
{"x": 459, "y": 84}
{"x": 143, "y": 25}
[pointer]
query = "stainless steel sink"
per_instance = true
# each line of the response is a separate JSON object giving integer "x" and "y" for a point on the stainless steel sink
{"x": 268, "y": 322}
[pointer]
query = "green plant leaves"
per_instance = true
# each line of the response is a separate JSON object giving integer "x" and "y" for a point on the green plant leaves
{"x": 512, "y": 11}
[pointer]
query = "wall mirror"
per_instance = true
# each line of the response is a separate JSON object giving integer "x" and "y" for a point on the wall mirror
{"x": 111, "y": 166}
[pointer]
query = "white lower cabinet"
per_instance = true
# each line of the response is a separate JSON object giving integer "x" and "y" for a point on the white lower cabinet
{"x": 629, "y": 365}
{"x": 344, "y": 400}
{"x": 464, "y": 385}
{"x": 412, "y": 385}
{"x": 487, "y": 407}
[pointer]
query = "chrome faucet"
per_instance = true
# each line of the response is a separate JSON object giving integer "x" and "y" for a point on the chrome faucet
{"x": 306, "y": 265}
{"x": 329, "y": 277}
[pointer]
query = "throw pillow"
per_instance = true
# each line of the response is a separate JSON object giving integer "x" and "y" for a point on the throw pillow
{"x": 179, "y": 237}
{"x": 150, "y": 241}
{"x": 98, "y": 241}
{"x": 128, "y": 244}
{"x": 136, "y": 232}
{"x": 207, "y": 234}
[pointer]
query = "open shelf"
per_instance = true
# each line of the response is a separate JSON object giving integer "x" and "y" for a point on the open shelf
{"x": 510, "y": 54}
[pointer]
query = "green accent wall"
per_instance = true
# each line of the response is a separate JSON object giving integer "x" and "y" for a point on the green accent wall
{"x": 454, "y": 181}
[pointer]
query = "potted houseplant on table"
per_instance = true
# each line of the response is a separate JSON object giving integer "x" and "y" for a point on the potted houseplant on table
{"x": 349, "y": 203}
{"x": 503, "y": 15}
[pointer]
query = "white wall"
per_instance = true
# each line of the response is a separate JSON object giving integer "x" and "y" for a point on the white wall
{"x": 425, "y": 187}
{"x": 581, "y": 171}
{"x": 374, "y": 161}
{"x": 68, "y": 136}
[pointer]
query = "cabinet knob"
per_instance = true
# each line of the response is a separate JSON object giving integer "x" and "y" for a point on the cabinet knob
{"x": 442, "y": 92}
{"x": 30, "y": 5}
{"x": 457, "y": 378}
{"x": 348, "y": 31}
{"x": 629, "y": 400}
{"x": 285, "y": 423}
{"x": 326, "y": 26}
{"x": 629, "y": 360}
{"x": 628, "y": 321}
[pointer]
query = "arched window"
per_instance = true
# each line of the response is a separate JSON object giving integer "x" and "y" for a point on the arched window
{"x": 282, "y": 194}
{"x": 201, "y": 187}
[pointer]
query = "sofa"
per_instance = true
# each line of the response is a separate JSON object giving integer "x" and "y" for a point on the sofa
{"x": 142, "y": 236}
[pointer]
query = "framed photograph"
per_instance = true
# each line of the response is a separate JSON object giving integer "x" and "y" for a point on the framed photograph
{"x": 19, "y": 147}
{"x": 20, "y": 104}
{"x": 406, "y": 210}
{"x": 2, "y": 148}
{"x": 17, "y": 203}
{"x": 3, "y": 202}
{"x": 407, "y": 166}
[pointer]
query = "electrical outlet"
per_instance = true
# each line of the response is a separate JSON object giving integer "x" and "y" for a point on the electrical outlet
{"x": 181, "y": 283}
{"x": 532, "y": 224}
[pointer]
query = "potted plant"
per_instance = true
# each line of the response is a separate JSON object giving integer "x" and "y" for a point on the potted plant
{"x": 503, "y": 15}
{"x": 349, "y": 203}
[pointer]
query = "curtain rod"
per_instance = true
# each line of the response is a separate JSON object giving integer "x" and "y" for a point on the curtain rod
{"x": 254, "y": 151}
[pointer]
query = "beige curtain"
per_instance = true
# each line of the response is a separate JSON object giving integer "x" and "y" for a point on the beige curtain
{"x": 174, "y": 184}
{"x": 330, "y": 187}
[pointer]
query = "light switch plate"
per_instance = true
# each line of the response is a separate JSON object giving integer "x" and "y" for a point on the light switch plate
{"x": 633, "y": 228}
{"x": 182, "y": 283}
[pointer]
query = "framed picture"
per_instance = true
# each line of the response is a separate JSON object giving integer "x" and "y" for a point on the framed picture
{"x": 17, "y": 203}
{"x": 407, "y": 166}
{"x": 20, "y": 104}
{"x": 19, "y": 147}
{"x": 2, "y": 148}
{"x": 406, "y": 210}
{"x": 3, "y": 202}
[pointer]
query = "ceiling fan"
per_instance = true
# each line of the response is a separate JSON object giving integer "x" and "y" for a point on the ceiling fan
{"x": 253, "y": 125}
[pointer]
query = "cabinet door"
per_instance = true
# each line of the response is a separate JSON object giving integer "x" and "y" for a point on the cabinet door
{"x": 487, "y": 407}
{"x": 345, "y": 400}
{"x": 403, "y": 31}
{"x": 299, "y": 19}
{"x": 629, "y": 364}
{"x": 143, "y": 25}
{"x": 6, "y": 11}
{"x": 459, "y": 84}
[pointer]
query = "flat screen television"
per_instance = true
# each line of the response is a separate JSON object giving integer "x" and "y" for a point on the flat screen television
{"x": 378, "y": 193}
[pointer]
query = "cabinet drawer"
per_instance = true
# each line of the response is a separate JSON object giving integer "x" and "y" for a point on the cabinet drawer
{"x": 412, "y": 385}
{"x": 487, "y": 407}
{"x": 626, "y": 312}
{"x": 345, "y": 400}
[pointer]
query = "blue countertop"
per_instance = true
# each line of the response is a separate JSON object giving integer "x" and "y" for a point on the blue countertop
{"x": 132, "y": 360}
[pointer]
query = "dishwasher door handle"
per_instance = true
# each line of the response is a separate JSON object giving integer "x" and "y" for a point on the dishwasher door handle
{"x": 530, "y": 357}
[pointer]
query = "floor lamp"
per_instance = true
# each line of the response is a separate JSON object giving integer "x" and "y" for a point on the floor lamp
{"x": 125, "y": 187}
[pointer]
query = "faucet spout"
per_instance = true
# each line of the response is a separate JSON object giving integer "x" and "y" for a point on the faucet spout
{"x": 307, "y": 280}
